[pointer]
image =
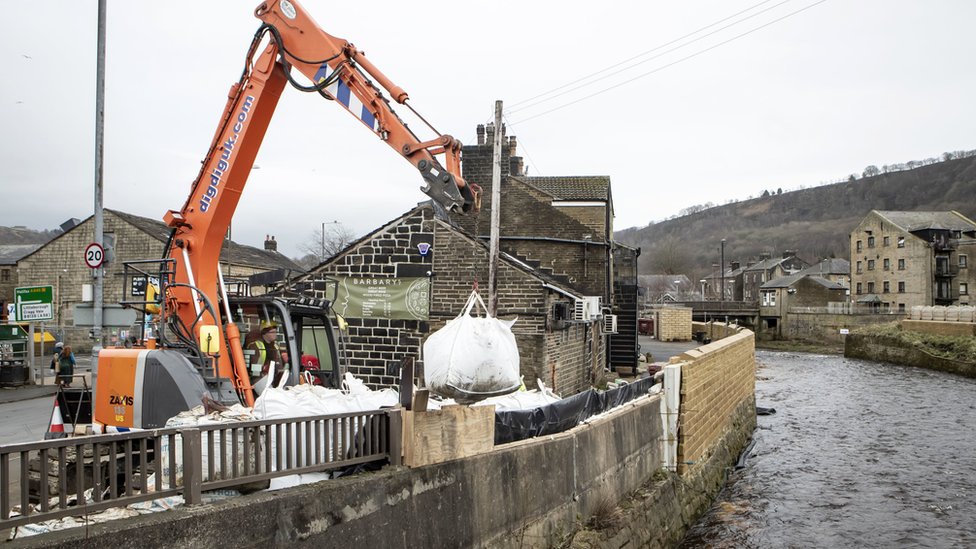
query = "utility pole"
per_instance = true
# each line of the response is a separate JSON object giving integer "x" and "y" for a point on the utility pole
{"x": 722, "y": 269}
{"x": 99, "y": 272}
{"x": 496, "y": 194}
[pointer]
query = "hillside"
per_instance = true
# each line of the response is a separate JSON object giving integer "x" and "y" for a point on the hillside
{"x": 815, "y": 222}
{"x": 23, "y": 235}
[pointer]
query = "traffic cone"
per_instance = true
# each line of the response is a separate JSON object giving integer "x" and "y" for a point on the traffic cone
{"x": 56, "y": 428}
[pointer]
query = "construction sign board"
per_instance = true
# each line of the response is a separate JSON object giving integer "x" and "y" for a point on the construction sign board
{"x": 34, "y": 303}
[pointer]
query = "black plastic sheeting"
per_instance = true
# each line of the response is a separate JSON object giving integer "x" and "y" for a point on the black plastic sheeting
{"x": 565, "y": 414}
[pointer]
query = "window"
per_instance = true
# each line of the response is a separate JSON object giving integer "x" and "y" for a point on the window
{"x": 870, "y": 264}
{"x": 901, "y": 287}
{"x": 963, "y": 288}
{"x": 859, "y": 245}
{"x": 887, "y": 264}
{"x": 870, "y": 242}
{"x": 885, "y": 286}
{"x": 901, "y": 307}
{"x": 870, "y": 287}
{"x": 859, "y": 267}
{"x": 901, "y": 241}
{"x": 963, "y": 261}
{"x": 5, "y": 275}
{"x": 886, "y": 241}
{"x": 858, "y": 288}
{"x": 769, "y": 299}
{"x": 901, "y": 264}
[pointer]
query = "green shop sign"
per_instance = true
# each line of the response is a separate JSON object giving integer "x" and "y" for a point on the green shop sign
{"x": 383, "y": 297}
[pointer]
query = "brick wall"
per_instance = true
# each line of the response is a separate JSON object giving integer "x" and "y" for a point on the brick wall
{"x": 673, "y": 323}
{"x": 716, "y": 380}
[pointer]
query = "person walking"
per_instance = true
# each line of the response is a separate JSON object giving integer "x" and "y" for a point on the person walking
{"x": 65, "y": 366}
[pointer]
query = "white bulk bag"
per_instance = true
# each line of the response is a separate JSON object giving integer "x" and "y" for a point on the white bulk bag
{"x": 472, "y": 357}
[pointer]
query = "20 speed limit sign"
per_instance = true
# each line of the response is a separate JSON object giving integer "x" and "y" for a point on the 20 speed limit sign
{"x": 94, "y": 255}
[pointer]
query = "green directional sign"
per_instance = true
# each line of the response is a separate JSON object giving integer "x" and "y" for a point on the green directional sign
{"x": 34, "y": 303}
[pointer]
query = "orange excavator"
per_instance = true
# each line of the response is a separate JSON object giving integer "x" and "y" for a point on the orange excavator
{"x": 197, "y": 350}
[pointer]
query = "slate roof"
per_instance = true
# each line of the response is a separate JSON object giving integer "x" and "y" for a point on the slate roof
{"x": 572, "y": 187}
{"x": 919, "y": 221}
{"x": 835, "y": 265}
{"x": 787, "y": 281}
{"x": 10, "y": 254}
{"x": 232, "y": 252}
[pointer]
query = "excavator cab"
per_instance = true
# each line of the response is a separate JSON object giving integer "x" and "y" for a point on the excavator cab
{"x": 306, "y": 339}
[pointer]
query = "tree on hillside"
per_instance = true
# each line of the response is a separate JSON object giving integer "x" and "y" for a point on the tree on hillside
{"x": 670, "y": 256}
{"x": 871, "y": 171}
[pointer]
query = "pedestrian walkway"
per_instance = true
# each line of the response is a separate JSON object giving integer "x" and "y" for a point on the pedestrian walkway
{"x": 47, "y": 384}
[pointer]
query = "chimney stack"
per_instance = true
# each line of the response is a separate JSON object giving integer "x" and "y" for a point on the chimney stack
{"x": 481, "y": 134}
{"x": 270, "y": 244}
{"x": 788, "y": 254}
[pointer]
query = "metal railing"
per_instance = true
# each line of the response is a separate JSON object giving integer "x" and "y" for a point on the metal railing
{"x": 46, "y": 480}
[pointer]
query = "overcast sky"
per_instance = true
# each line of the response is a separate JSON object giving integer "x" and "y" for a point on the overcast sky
{"x": 773, "y": 101}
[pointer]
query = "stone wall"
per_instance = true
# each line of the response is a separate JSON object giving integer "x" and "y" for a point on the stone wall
{"x": 716, "y": 379}
{"x": 944, "y": 328}
{"x": 673, "y": 323}
{"x": 504, "y": 498}
{"x": 826, "y": 327}
{"x": 886, "y": 349}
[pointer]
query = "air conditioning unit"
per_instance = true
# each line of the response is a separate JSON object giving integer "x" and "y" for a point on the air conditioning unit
{"x": 609, "y": 324}
{"x": 581, "y": 310}
{"x": 595, "y": 306}
{"x": 587, "y": 308}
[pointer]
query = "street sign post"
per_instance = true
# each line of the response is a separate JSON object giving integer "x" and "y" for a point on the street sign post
{"x": 34, "y": 303}
{"x": 94, "y": 255}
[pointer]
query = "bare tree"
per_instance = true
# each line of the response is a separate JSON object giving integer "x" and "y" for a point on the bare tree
{"x": 670, "y": 256}
{"x": 326, "y": 241}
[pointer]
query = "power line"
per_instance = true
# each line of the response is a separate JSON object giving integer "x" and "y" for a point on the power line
{"x": 601, "y": 71}
{"x": 658, "y": 69}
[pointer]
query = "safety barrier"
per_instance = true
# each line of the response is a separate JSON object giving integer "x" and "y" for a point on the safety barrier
{"x": 51, "y": 479}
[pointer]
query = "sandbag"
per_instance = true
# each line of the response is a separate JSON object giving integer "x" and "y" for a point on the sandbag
{"x": 472, "y": 357}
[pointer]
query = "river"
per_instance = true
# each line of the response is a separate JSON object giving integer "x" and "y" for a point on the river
{"x": 858, "y": 454}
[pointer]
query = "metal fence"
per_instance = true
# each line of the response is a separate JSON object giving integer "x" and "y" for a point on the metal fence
{"x": 78, "y": 476}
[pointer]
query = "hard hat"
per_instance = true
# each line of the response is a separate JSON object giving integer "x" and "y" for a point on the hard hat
{"x": 268, "y": 325}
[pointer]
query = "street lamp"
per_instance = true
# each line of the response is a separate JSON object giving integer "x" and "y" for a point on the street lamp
{"x": 323, "y": 236}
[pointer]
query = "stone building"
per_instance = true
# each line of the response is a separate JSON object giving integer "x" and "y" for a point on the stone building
{"x": 833, "y": 269}
{"x": 780, "y": 297}
{"x": 415, "y": 273}
{"x": 564, "y": 223}
{"x": 766, "y": 269}
{"x": 903, "y": 259}
{"x": 10, "y": 254}
{"x": 60, "y": 264}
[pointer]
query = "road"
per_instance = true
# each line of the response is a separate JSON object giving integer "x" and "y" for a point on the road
{"x": 661, "y": 351}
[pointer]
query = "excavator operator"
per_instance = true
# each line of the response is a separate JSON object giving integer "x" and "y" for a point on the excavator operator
{"x": 266, "y": 358}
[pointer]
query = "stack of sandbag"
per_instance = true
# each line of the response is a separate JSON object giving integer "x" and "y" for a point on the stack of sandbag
{"x": 472, "y": 357}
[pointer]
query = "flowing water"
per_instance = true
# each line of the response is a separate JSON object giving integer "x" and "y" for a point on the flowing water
{"x": 858, "y": 454}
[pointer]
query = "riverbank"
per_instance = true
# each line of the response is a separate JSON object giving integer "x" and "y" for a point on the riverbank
{"x": 950, "y": 347}
{"x": 818, "y": 347}
{"x": 892, "y": 343}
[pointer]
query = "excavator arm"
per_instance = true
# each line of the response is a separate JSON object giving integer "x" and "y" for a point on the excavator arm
{"x": 337, "y": 71}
